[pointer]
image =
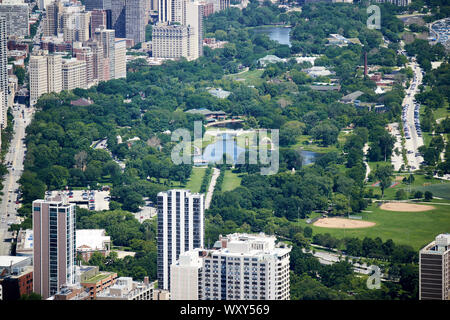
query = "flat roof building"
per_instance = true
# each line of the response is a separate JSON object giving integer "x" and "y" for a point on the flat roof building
{"x": 89, "y": 241}
{"x": 434, "y": 269}
{"x": 54, "y": 245}
{"x": 180, "y": 228}
{"x": 16, "y": 16}
{"x": 127, "y": 289}
{"x": 24, "y": 245}
{"x": 240, "y": 267}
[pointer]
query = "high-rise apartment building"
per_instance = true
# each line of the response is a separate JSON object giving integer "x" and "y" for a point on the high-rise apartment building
{"x": 54, "y": 245}
{"x": 91, "y": 5}
{"x": 42, "y": 4}
{"x": 106, "y": 38}
{"x": 73, "y": 74}
{"x": 76, "y": 26}
{"x": 3, "y": 72}
{"x": 164, "y": 10}
{"x": 51, "y": 21}
{"x": 98, "y": 18}
{"x": 185, "y": 275}
{"x": 118, "y": 17}
{"x": 173, "y": 41}
{"x": 100, "y": 64}
{"x": 193, "y": 17}
{"x": 136, "y": 19}
{"x": 120, "y": 58}
{"x": 187, "y": 13}
{"x": 434, "y": 269}
{"x": 38, "y": 77}
{"x": 45, "y": 74}
{"x": 180, "y": 228}
{"x": 16, "y": 16}
{"x": 54, "y": 75}
{"x": 85, "y": 54}
{"x": 240, "y": 267}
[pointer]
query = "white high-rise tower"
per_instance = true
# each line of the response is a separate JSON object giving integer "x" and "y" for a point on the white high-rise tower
{"x": 180, "y": 228}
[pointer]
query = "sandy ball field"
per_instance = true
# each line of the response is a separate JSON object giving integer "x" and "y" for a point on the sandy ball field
{"x": 406, "y": 207}
{"x": 341, "y": 223}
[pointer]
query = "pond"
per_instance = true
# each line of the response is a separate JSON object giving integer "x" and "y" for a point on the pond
{"x": 276, "y": 33}
{"x": 226, "y": 144}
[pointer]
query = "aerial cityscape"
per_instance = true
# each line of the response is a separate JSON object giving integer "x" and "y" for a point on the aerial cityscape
{"x": 224, "y": 150}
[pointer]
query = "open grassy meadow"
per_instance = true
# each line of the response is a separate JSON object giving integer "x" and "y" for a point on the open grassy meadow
{"x": 231, "y": 181}
{"x": 195, "y": 181}
{"x": 412, "y": 228}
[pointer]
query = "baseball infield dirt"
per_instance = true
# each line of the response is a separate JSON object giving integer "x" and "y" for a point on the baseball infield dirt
{"x": 342, "y": 223}
{"x": 405, "y": 207}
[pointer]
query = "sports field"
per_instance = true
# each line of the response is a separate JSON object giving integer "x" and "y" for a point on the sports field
{"x": 412, "y": 228}
{"x": 342, "y": 223}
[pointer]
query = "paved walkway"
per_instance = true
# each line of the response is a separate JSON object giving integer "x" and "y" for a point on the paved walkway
{"x": 212, "y": 185}
{"x": 365, "y": 151}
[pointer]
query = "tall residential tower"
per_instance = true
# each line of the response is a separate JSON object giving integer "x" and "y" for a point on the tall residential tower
{"x": 434, "y": 269}
{"x": 180, "y": 228}
{"x": 54, "y": 245}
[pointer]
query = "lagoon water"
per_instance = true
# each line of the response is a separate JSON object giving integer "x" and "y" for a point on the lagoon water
{"x": 276, "y": 33}
{"x": 227, "y": 145}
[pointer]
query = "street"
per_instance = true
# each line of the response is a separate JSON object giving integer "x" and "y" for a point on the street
{"x": 14, "y": 161}
{"x": 413, "y": 139}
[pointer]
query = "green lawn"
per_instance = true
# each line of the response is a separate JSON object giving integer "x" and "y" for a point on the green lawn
{"x": 441, "y": 190}
{"x": 411, "y": 228}
{"x": 97, "y": 278}
{"x": 195, "y": 181}
{"x": 438, "y": 187}
{"x": 231, "y": 181}
{"x": 251, "y": 77}
{"x": 303, "y": 142}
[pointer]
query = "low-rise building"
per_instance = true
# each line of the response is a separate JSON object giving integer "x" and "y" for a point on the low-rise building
{"x": 219, "y": 93}
{"x": 318, "y": 71}
{"x": 270, "y": 59}
{"x": 126, "y": 289}
{"x": 96, "y": 281}
{"x": 16, "y": 277}
{"x": 89, "y": 241}
{"x": 351, "y": 97}
{"x": 208, "y": 114}
{"x": 24, "y": 246}
{"x": 71, "y": 292}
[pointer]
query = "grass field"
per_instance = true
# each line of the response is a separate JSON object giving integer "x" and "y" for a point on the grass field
{"x": 195, "y": 181}
{"x": 231, "y": 181}
{"x": 303, "y": 142}
{"x": 252, "y": 77}
{"x": 411, "y": 228}
{"x": 438, "y": 187}
{"x": 438, "y": 190}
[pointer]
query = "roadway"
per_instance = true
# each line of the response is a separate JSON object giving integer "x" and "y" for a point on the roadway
{"x": 14, "y": 161}
{"x": 414, "y": 141}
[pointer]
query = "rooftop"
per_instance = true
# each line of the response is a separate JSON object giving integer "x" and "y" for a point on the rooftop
{"x": 94, "y": 239}
{"x": 204, "y": 111}
{"x": 352, "y": 96}
{"x": 99, "y": 277}
{"x": 7, "y": 261}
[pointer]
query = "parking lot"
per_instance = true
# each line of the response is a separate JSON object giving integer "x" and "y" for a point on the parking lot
{"x": 88, "y": 199}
